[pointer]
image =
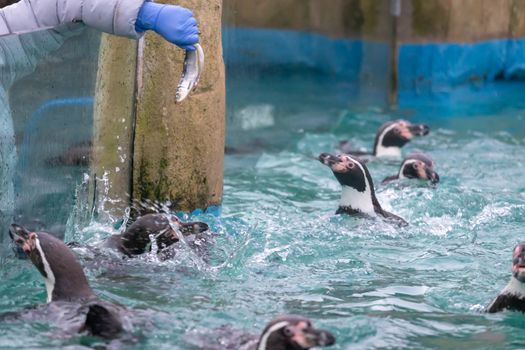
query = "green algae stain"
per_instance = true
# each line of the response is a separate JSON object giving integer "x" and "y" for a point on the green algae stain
{"x": 430, "y": 18}
{"x": 370, "y": 14}
{"x": 154, "y": 188}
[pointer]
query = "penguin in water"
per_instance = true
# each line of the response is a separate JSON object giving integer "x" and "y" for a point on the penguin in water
{"x": 358, "y": 195}
{"x": 512, "y": 297}
{"x": 390, "y": 137}
{"x": 165, "y": 229}
{"x": 287, "y": 332}
{"x": 415, "y": 166}
{"x": 71, "y": 303}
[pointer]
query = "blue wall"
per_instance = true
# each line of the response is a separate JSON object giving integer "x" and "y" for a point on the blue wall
{"x": 430, "y": 69}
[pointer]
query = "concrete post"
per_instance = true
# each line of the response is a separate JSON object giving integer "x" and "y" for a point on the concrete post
{"x": 146, "y": 146}
{"x": 114, "y": 119}
{"x": 179, "y": 149}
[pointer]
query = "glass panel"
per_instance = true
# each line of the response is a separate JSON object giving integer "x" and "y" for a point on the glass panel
{"x": 48, "y": 84}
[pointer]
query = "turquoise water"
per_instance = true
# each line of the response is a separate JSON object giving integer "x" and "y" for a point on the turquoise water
{"x": 280, "y": 248}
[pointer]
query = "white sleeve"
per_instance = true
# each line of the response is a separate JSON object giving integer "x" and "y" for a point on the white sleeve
{"x": 111, "y": 16}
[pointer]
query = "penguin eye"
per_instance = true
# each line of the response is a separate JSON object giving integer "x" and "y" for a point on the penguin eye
{"x": 288, "y": 332}
{"x": 351, "y": 165}
{"x": 415, "y": 166}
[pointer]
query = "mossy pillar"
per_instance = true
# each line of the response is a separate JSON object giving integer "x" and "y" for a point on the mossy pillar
{"x": 114, "y": 120}
{"x": 176, "y": 151}
{"x": 179, "y": 148}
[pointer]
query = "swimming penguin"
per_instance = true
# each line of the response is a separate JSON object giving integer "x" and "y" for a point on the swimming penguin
{"x": 390, "y": 137}
{"x": 512, "y": 297}
{"x": 71, "y": 303}
{"x": 287, "y": 332}
{"x": 358, "y": 196}
{"x": 77, "y": 155}
{"x": 415, "y": 166}
{"x": 136, "y": 239}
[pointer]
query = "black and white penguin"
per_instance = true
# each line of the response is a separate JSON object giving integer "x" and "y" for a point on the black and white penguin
{"x": 390, "y": 137}
{"x": 415, "y": 166}
{"x": 71, "y": 303}
{"x": 358, "y": 194}
{"x": 512, "y": 297}
{"x": 165, "y": 229}
{"x": 287, "y": 332}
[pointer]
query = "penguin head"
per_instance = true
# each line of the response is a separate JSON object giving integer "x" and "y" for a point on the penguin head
{"x": 28, "y": 242}
{"x": 393, "y": 135}
{"x": 292, "y": 332}
{"x": 348, "y": 170}
{"x": 418, "y": 166}
{"x": 63, "y": 275}
{"x": 518, "y": 262}
{"x": 353, "y": 175}
{"x": 188, "y": 228}
{"x": 176, "y": 228}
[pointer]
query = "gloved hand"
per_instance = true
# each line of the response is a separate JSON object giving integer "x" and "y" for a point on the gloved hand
{"x": 174, "y": 23}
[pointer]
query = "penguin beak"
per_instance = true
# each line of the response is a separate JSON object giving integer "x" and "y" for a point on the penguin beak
{"x": 188, "y": 228}
{"x": 193, "y": 228}
{"x": 22, "y": 239}
{"x": 432, "y": 176}
{"x": 419, "y": 129}
{"x": 328, "y": 159}
{"x": 18, "y": 234}
{"x": 319, "y": 337}
{"x": 311, "y": 337}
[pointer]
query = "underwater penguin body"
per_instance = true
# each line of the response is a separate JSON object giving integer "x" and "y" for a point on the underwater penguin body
{"x": 512, "y": 297}
{"x": 287, "y": 332}
{"x": 71, "y": 303}
{"x": 358, "y": 194}
{"x": 416, "y": 166}
{"x": 389, "y": 140}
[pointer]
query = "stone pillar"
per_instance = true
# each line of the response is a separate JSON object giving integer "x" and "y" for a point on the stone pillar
{"x": 150, "y": 148}
{"x": 179, "y": 148}
{"x": 114, "y": 120}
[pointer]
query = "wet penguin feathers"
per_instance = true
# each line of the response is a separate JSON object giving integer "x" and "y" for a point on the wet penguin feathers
{"x": 63, "y": 275}
{"x": 293, "y": 332}
{"x": 162, "y": 227}
{"x": 512, "y": 297}
{"x": 68, "y": 293}
{"x": 389, "y": 139}
{"x": 102, "y": 322}
{"x": 358, "y": 193}
{"x": 393, "y": 135}
{"x": 416, "y": 166}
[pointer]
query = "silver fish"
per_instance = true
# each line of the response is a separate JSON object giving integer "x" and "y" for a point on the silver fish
{"x": 191, "y": 73}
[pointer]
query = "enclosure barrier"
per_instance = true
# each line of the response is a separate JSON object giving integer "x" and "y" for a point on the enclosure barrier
{"x": 398, "y": 47}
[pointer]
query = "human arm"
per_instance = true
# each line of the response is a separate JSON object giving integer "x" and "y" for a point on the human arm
{"x": 129, "y": 18}
{"x": 111, "y": 16}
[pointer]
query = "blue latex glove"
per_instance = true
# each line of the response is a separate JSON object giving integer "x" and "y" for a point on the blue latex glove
{"x": 174, "y": 23}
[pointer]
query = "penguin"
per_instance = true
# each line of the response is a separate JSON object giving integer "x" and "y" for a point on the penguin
{"x": 77, "y": 155}
{"x": 286, "y": 332}
{"x": 512, "y": 297}
{"x": 358, "y": 195}
{"x": 390, "y": 137}
{"x": 71, "y": 303}
{"x": 415, "y": 166}
{"x": 136, "y": 239}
